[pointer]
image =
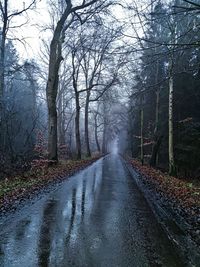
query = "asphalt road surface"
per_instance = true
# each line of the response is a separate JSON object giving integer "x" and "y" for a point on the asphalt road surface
{"x": 97, "y": 218}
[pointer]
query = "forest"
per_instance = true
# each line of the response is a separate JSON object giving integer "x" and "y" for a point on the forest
{"x": 107, "y": 74}
{"x": 100, "y": 133}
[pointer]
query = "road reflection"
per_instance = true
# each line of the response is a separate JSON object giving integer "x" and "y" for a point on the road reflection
{"x": 40, "y": 235}
{"x": 97, "y": 218}
{"x": 47, "y": 229}
{"x": 73, "y": 211}
{"x": 83, "y": 199}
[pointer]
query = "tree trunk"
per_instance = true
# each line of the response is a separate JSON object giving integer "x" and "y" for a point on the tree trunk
{"x": 2, "y": 74}
{"x": 155, "y": 149}
{"x": 141, "y": 132}
{"x": 87, "y": 142}
{"x": 51, "y": 92}
{"x": 52, "y": 83}
{"x": 157, "y": 111}
{"x": 2, "y": 54}
{"x": 2, "y": 70}
{"x": 142, "y": 137}
{"x": 52, "y": 131}
{"x": 96, "y": 133}
{"x": 61, "y": 127}
{"x": 53, "y": 77}
{"x": 104, "y": 142}
{"x": 172, "y": 169}
{"x": 157, "y": 138}
{"x": 77, "y": 127}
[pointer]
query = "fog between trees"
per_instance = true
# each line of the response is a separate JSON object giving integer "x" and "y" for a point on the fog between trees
{"x": 109, "y": 72}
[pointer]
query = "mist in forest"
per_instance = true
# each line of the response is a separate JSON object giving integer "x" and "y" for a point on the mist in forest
{"x": 81, "y": 78}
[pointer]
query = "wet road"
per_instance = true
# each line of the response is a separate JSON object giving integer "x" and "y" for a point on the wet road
{"x": 97, "y": 218}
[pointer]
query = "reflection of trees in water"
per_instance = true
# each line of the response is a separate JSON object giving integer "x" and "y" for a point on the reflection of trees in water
{"x": 83, "y": 199}
{"x": 46, "y": 232}
{"x": 94, "y": 181}
{"x": 73, "y": 212}
{"x": 105, "y": 173}
{"x": 15, "y": 238}
{"x": 21, "y": 229}
{"x": 1, "y": 255}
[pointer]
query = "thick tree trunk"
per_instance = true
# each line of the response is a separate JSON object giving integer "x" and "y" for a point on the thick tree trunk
{"x": 51, "y": 92}
{"x": 52, "y": 83}
{"x": 87, "y": 142}
{"x": 52, "y": 131}
{"x": 77, "y": 127}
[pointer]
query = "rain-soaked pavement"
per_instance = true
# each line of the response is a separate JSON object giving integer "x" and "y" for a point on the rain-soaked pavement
{"x": 96, "y": 218}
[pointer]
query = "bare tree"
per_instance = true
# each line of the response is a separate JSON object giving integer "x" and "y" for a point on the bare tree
{"x": 68, "y": 16}
{"x": 7, "y": 17}
{"x": 95, "y": 52}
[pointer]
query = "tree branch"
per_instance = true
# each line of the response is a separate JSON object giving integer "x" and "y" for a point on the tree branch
{"x": 23, "y": 10}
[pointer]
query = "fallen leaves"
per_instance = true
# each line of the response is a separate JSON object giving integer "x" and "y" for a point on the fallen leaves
{"x": 181, "y": 196}
{"x": 183, "y": 192}
{"x": 19, "y": 188}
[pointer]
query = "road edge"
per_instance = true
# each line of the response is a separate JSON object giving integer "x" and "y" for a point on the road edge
{"x": 174, "y": 228}
{"x": 14, "y": 205}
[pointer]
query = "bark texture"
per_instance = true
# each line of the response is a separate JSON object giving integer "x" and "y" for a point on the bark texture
{"x": 52, "y": 84}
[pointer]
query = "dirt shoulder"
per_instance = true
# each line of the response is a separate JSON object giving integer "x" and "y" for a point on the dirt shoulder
{"x": 20, "y": 188}
{"x": 177, "y": 206}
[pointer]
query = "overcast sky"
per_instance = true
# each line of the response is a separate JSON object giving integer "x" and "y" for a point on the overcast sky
{"x": 33, "y": 31}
